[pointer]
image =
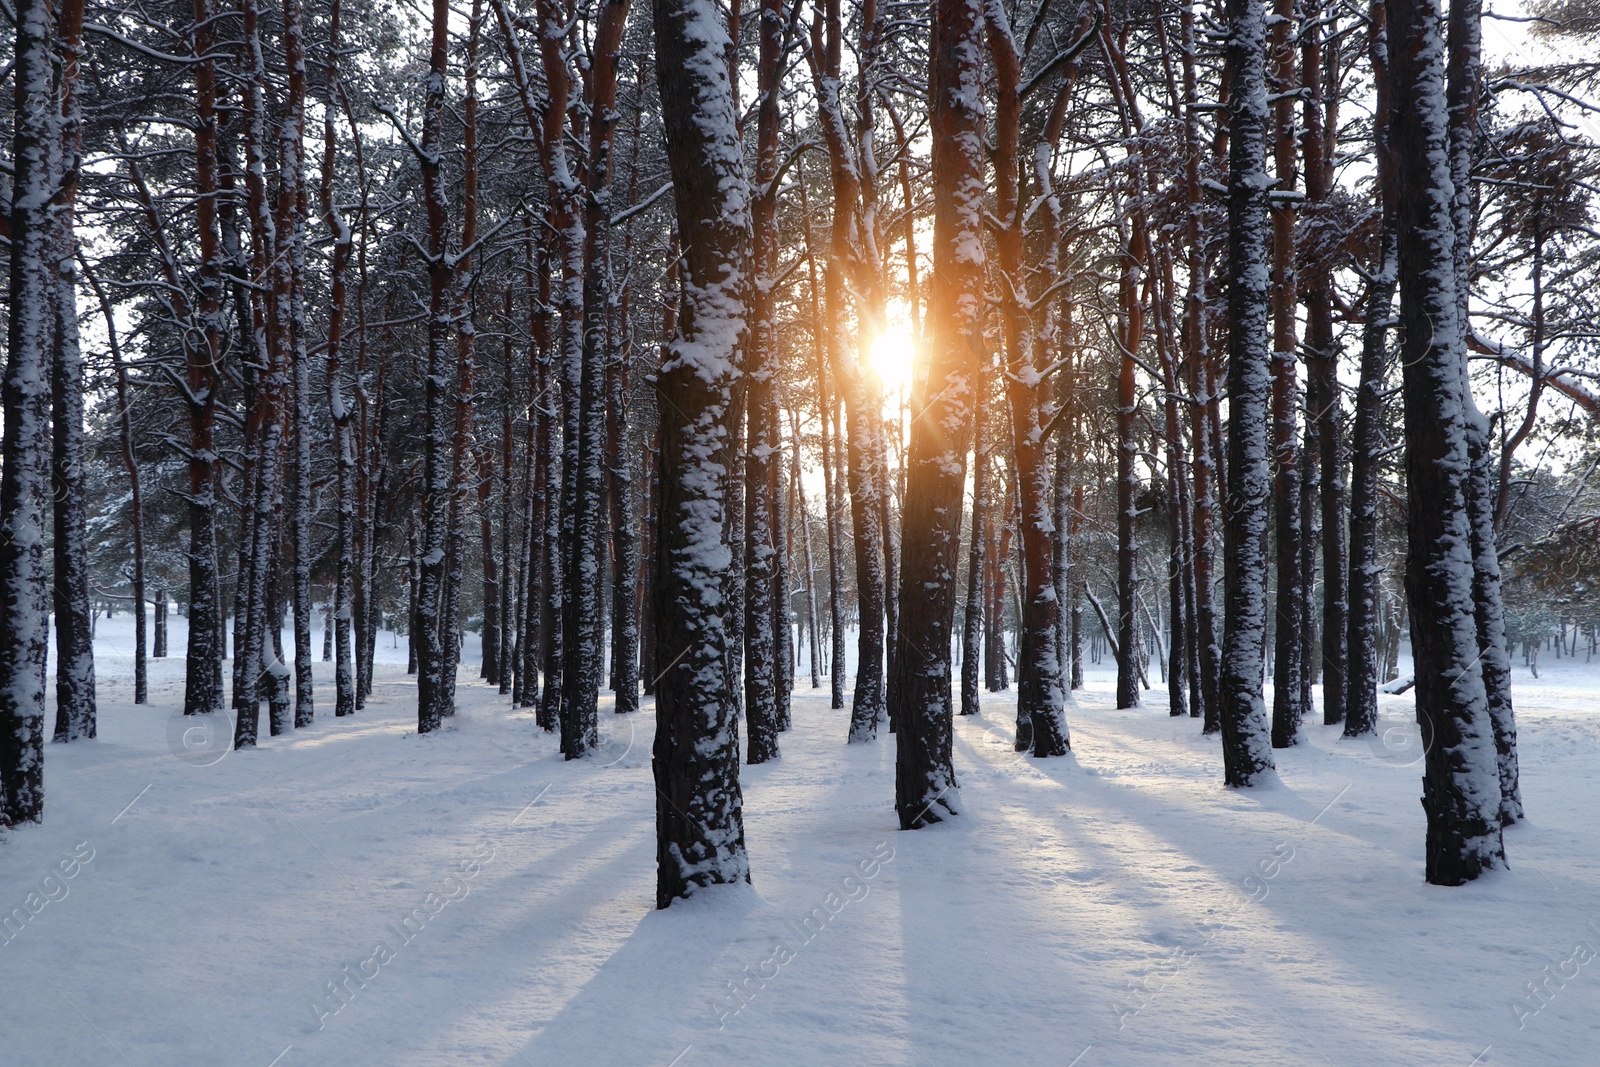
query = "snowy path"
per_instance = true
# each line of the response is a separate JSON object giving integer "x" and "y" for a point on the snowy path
{"x": 1115, "y": 907}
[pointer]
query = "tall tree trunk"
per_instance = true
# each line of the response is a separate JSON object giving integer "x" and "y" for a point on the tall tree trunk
{"x": 24, "y": 469}
{"x": 699, "y": 807}
{"x": 581, "y": 671}
{"x": 339, "y": 410}
{"x": 1040, "y": 696}
{"x": 1363, "y": 621}
{"x": 1463, "y": 88}
{"x": 620, "y": 466}
{"x": 1461, "y": 788}
{"x": 973, "y": 623}
{"x": 264, "y": 430}
{"x": 290, "y": 295}
{"x": 925, "y": 782}
{"x": 1322, "y": 359}
{"x": 1246, "y": 751}
{"x": 862, "y": 400}
{"x": 75, "y": 689}
{"x": 1287, "y": 710}
{"x": 763, "y": 450}
{"x": 203, "y": 666}
{"x": 432, "y": 643}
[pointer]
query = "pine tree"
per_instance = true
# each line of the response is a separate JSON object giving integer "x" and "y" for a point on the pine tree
{"x": 25, "y": 451}
{"x": 699, "y": 807}
{"x": 1246, "y": 755}
{"x": 1461, "y": 787}
{"x": 943, "y": 411}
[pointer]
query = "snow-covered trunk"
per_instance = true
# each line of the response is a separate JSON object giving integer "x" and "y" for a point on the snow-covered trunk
{"x": 517, "y": 658}
{"x": 158, "y": 625}
{"x": 1058, "y": 343}
{"x": 545, "y": 515}
{"x": 263, "y": 427}
{"x": 1287, "y": 710}
{"x": 1075, "y": 639}
{"x": 340, "y": 411}
{"x": 620, "y": 462}
{"x": 289, "y": 295}
{"x": 1463, "y": 88}
{"x": 1461, "y": 786}
{"x": 649, "y": 663}
{"x": 563, "y": 195}
{"x": 1129, "y": 335}
{"x": 863, "y": 404}
{"x": 1199, "y": 357}
{"x": 413, "y": 580}
{"x": 998, "y": 530}
{"x": 1246, "y": 749}
{"x": 1180, "y": 571}
{"x": 511, "y": 577}
{"x": 783, "y": 556}
{"x": 1310, "y": 537}
{"x": 1320, "y": 117}
{"x": 368, "y": 446}
{"x": 763, "y": 453}
{"x": 431, "y": 643}
{"x": 583, "y": 630}
{"x": 972, "y": 623}
{"x": 203, "y": 669}
{"x": 869, "y": 284}
{"x": 373, "y": 503}
{"x": 279, "y": 676}
{"x": 925, "y": 783}
{"x": 525, "y": 683}
{"x": 1366, "y": 441}
{"x": 489, "y": 492}
{"x": 624, "y": 531}
{"x": 699, "y": 816}
{"x": 464, "y": 394}
{"x": 1040, "y": 725}
{"x": 75, "y": 690}
{"x": 25, "y": 478}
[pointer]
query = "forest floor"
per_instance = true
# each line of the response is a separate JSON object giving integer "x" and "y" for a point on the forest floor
{"x": 1115, "y": 907}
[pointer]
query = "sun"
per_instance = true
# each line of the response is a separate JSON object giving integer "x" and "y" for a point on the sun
{"x": 893, "y": 355}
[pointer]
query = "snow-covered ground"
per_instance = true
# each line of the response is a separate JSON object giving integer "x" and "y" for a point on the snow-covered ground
{"x": 475, "y": 900}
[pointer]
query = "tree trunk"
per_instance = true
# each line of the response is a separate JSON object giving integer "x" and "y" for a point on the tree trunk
{"x": 75, "y": 676}
{"x": 1247, "y": 756}
{"x": 1287, "y": 711}
{"x": 339, "y": 411}
{"x": 203, "y": 667}
{"x": 433, "y": 644}
{"x": 973, "y": 623}
{"x": 763, "y": 449}
{"x": 925, "y": 783}
{"x": 1322, "y": 359}
{"x": 1463, "y": 88}
{"x": 1039, "y": 692}
{"x": 24, "y": 471}
{"x": 1461, "y": 789}
{"x": 1363, "y": 622}
{"x": 699, "y": 817}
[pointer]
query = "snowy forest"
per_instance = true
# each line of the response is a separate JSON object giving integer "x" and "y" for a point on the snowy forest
{"x": 758, "y": 416}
